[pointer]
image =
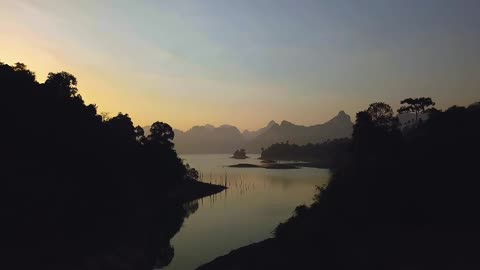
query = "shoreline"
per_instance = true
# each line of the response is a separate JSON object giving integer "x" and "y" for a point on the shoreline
{"x": 284, "y": 166}
{"x": 253, "y": 256}
{"x": 194, "y": 190}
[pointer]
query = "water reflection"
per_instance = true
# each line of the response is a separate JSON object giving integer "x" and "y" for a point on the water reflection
{"x": 145, "y": 244}
{"x": 128, "y": 240}
{"x": 255, "y": 202}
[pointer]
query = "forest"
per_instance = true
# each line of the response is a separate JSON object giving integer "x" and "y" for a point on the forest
{"x": 72, "y": 177}
{"x": 400, "y": 197}
{"x": 405, "y": 198}
{"x": 327, "y": 154}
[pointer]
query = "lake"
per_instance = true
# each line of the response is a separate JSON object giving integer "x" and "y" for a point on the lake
{"x": 248, "y": 211}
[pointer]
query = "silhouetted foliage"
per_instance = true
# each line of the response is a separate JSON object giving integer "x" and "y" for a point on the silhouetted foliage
{"x": 192, "y": 173}
{"x": 76, "y": 184}
{"x": 405, "y": 190}
{"x": 161, "y": 133}
{"x": 402, "y": 201}
{"x": 328, "y": 153}
{"x": 376, "y": 133}
{"x": 63, "y": 84}
{"x": 140, "y": 135}
{"x": 417, "y": 106}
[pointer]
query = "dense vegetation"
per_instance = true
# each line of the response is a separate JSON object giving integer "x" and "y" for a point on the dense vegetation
{"x": 328, "y": 153}
{"x": 71, "y": 177}
{"x": 402, "y": 201}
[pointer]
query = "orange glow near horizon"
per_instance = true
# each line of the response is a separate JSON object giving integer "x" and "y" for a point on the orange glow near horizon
{"x": 193, "y": 65}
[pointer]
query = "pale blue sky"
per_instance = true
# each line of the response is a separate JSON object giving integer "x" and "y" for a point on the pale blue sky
{"x": 247, "y": 62}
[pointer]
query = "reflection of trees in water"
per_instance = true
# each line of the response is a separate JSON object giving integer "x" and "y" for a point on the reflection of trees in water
{"x": 244, "y": 184}
{"x": 169, "y": 224}
{"x": 247, "y": 182}
{"x": 287, "y": 182}
{"x": 155, "y": 251}
{"x": 127, "y": 241}
{"x": 190, "y": 208}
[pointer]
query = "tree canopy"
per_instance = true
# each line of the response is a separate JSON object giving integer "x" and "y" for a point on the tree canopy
{"x": 161, "y": 133}
{"x": 416, "y": 105}
{"x": 397, "y": 194}
{"x": 71, "y": 176}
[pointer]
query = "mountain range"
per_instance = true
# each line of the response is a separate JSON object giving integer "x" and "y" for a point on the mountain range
{"x": 208, "y": 139}
{"x": 340, "y": 126}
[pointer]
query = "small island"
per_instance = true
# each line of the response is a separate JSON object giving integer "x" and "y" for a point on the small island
{"x": 240, "y": 154}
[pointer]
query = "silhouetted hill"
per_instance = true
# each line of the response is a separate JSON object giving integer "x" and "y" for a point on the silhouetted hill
{"x": 209, "y": 139}
{"x": 338, "y": 127}
{"x": 224, "y": 139}
{"x": 252, "y": 134}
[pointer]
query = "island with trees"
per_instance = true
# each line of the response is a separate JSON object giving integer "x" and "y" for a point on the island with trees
{"x": 240, "y": 154}
{"x": 323, "y": 155}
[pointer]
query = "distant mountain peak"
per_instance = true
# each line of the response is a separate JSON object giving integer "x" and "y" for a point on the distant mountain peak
{"x": 226, "y": 126}
{"x": 341, "y": 117}
{"x": 227, "y": 138}
{"x": 271, "y": 124}
{"x": 252, "y": 134}
{"x": 339, "y": 126}
{"x": 285, "y": 123}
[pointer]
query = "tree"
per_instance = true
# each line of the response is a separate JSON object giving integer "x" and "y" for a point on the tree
{"x": 140, "y": 134}
{"x": 92, "y": 110}
{"x": 63, "y": 83}
{"x": 381, "y": 114}
{"x": 161, "y": 133}
{"x": 19, "y": 67}
{"x": 416, "y": 105}
{"x": 376, "y": 130}
{"x": 22, "y": 68}
{"x": 105, "y": 116}
{"x": 121, "y": 128}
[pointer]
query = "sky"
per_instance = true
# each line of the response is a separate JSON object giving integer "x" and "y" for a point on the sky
{"x": 246, "y": 62}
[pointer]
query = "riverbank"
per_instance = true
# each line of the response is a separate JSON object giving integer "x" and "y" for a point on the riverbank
{"x": 255, "y": 202}
{"x": 267, "y": 254}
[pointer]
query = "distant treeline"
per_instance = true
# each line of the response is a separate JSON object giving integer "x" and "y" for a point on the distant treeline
{"x": 75, "y": 182}
{"x": 402, "y": 200}
{"x": 328, "y": 153}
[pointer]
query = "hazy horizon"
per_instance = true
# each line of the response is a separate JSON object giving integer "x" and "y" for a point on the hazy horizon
{"x": 190, "y": 63}
{"x": 255, "y": 129}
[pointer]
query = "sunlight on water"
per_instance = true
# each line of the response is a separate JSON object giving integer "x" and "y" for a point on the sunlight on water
{"x": 255, "y": 202}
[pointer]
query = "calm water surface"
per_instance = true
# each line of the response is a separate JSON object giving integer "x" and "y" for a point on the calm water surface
{"x": 254, "y": 203}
